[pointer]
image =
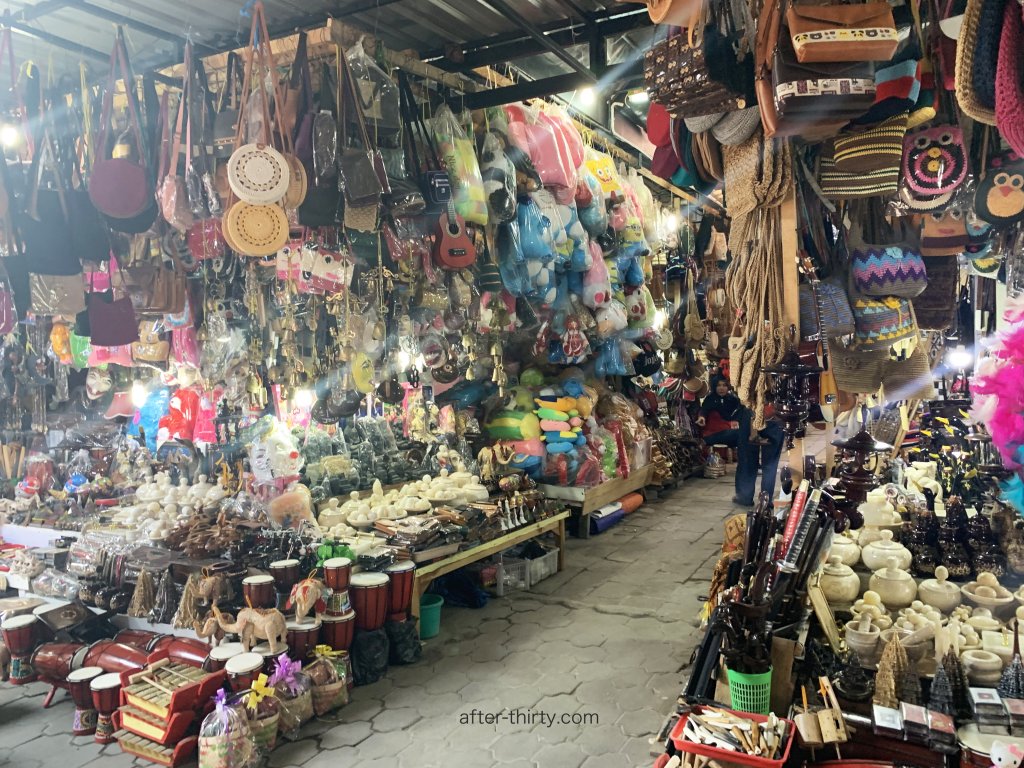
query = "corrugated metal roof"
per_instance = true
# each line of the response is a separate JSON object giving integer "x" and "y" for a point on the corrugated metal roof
{"x": 156, "y": 28}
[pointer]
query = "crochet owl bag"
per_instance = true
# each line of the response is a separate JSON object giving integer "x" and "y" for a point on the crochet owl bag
{"x": 999, "y": 198}
{"x": 934, "y": 160}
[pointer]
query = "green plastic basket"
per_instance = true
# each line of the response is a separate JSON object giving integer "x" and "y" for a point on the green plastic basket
{"x": 750, "y": 693}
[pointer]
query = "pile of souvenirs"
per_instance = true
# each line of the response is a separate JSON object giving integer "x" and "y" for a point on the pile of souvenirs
{"x": 233, "y": 271}
{"x": 150, "y": 691}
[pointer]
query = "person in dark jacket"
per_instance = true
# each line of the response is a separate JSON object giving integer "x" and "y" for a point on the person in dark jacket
{"x": 719, "y": 415}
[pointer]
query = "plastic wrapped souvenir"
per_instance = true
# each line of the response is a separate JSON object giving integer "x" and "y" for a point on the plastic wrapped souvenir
{"x": 293, "y": 690}
{"x": 459, "y": 157}
{"x": 330, "y": 685}
{"x": 225, "y": 738}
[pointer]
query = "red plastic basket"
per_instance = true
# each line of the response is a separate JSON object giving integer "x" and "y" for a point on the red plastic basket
{"x": 727, "y": 756}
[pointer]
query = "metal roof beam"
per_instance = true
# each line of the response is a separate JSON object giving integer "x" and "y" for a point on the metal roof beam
{"x": 57, "y": 41}
{"x": 502, "y": 48}
{"x": 30, "y": 13}
{"x": 528, "y": 89}
{"x": 510, "y": 13}
{"x": 140, "y": 26}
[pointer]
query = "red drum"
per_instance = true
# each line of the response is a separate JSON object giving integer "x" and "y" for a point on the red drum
{"x": 116, "y": 657}
{"x": 243, "y": 670}
{"x": 20, "y": 634}
{"x": 79, "y": 685}
{"x": 337, "y": 604}
{"x": 161, "y": 644}
{"x": 402, "y": 575}
{"x": 337, "y": 631}
{"x": 369, "y": 592}
{"x": 259, "y": 591}
{"x": 106, "y": 695}
{"x": 302, "y": 638}
{"x": 188, "y": 650}
{"x": 220, "y": 656}
{"x": 286, "y": 574}
{"x": 337, "y": 572}
{"x": 54, "y": 662}
{"x": 139, "y": 638}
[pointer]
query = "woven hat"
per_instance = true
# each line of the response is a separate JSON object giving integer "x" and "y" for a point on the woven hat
{"x": 736, "y": 127}
{"x": 965, "y": 53}
{"x": 702, "y": 123}
{"x": 258, "y": 174}
{"x": 256, "y": 230}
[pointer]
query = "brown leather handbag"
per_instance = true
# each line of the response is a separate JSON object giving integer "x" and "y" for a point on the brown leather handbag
{"x": 855, "y": 32}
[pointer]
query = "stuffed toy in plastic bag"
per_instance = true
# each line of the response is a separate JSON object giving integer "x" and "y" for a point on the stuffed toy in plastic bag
{"x": 459, "y": 157}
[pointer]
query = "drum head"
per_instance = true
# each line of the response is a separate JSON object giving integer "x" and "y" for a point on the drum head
{"x": 85, "y": 673}
{"x": 227, "y": 651}
{"x": 104, "y": 682}
{"x": 369, "y": 579}
{"x": 261, "y": 579}
{"x": 284, "y": 563}
{"x": 243, "y": 662}
{"x": 404, "y": 565}
{"x": 18, "y": 622}
{"x": 337, "y": 562}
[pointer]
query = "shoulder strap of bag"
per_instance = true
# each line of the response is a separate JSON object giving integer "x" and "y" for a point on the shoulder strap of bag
{"x": 119, "y": 61}
{"x": 415, "y": 123}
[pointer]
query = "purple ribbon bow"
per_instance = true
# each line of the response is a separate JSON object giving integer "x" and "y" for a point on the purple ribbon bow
{"x": 285, "y": 671}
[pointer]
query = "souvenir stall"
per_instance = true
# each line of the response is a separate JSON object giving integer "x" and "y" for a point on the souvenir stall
{"x": 287, "y": 342}
{"x": 869, "y": 156}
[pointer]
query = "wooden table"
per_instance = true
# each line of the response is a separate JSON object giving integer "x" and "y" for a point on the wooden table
{"x": 426, "y": 575}
{"x": 589, "y": 500}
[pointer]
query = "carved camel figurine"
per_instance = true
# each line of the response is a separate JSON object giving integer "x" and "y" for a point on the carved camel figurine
{"x": 209, "y": 628}
{"x": 265, "y": 624}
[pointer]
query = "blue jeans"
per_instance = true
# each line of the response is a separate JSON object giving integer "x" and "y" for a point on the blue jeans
{"x": 728, "y": 437}
{"x": 754, "y": 456}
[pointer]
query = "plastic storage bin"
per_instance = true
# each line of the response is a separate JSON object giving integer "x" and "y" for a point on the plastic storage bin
{"x": 543, "y": 566}
{"x": 513, "y": 574}
{"x": 728, "y": 757}
{"x": 750, "y": 693}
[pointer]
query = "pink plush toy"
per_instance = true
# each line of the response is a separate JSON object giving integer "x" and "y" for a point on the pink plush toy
{"x": 597, "y": 287}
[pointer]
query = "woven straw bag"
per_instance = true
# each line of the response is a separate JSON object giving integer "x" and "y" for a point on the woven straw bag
{"x": 258, "y": 174}
{"x": 256, "y": 230}
{"x": 855, "y": 371}
{"x": 965, "y": 52}
{"x": 1010, "y": 79}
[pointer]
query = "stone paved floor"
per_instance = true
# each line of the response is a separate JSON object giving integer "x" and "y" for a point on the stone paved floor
{"x": 610, "y": 637}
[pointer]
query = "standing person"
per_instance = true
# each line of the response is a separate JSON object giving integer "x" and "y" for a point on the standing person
{"x": 757, "y": 451}
{"x": 719, "y": 415}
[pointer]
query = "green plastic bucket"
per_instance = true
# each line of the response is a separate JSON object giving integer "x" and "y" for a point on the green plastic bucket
{"x": 430, "y": 615}
{"x": 750, "y": 693}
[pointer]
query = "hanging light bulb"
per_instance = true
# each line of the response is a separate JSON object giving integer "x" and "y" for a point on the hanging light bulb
{"x": 10, "y": 136}
{"x": 404, "y": 360}
{"x": 304, "y": 398}
{"x": 586, "y": 96}
{"x": 639, "y": 98}
{"x": 139, "y": 393}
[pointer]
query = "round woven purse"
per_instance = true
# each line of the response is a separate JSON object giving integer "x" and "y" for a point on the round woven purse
{"x": 258, "y": 174}
{"x": 965, "y": 53}
{"x": 256, "y": 230}
{"x": 298, "y": 184}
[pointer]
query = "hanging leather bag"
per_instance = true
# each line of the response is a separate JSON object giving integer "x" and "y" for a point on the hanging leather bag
{"x": 121, "y": 188}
